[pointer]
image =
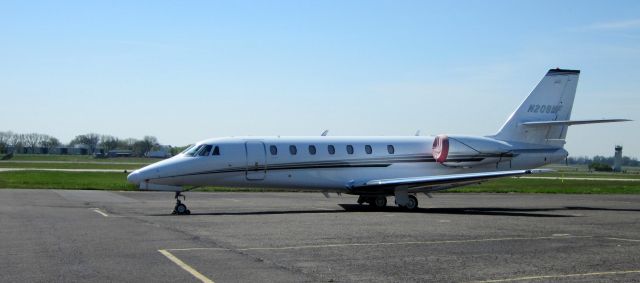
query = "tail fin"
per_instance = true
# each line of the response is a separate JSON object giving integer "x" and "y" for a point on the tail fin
{"x": 551, "y": 100}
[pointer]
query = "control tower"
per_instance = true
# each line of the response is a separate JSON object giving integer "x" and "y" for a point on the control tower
{"x": 617, "y": 159}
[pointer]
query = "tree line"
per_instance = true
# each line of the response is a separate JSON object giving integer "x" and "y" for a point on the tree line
{"x": 17, "y": 142}
{"x": 599, "y": 159}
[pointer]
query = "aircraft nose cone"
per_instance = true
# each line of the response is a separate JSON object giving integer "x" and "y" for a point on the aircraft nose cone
{"x": 134, "y": 177}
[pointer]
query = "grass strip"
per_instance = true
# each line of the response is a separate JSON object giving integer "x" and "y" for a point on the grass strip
{"x": 65, "y": 180}
{"x": 117, "y": 181}
{"x": 70, "y": 165}
{"x": 79, "y": 158}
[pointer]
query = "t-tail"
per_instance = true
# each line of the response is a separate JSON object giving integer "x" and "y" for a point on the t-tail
{"x": 544, "y": 116}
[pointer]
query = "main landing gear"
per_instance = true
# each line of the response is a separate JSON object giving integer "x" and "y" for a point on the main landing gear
{"x": 408, "y": 202}
{"x": 180, "y": 208}
{"x": 377, "y": 202}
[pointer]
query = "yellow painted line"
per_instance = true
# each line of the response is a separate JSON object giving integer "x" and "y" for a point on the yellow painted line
{"x": 97, "y": 210}
{"x": 185, "y": 266}
{"x": 383, "y": 244}
{"x": 558, "y": 276}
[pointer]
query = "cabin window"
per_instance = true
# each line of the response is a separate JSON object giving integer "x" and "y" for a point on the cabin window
{"x": 390, "y": 149}
{"x": 368, "y": 149}
{"x": 205, "y": 150}
{"x": 331, "y": 149}
{"x": 312, "y": 149}
{"x": 216, "y": 150}
{"x": 274, "y": 150}
{"x": 293, "y": 150}
{"x": 193, "y": 150}
{"x": 349, "y": 149}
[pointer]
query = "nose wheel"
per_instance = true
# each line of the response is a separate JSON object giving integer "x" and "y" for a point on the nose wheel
{"x": 180, "y": 208}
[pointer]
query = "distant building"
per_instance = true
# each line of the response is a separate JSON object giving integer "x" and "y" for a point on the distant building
{"x": 162, "y": 151}
{"x": 120, "y": 153}
{"x": 617, "y": 159}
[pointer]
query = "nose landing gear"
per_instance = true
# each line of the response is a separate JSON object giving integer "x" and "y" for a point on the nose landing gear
{"x": 180, "y": 208}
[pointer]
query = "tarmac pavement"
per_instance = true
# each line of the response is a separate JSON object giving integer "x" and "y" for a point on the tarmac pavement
{"x": 100, "y": 236}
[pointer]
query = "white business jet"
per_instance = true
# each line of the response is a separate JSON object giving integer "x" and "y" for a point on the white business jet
{"x": 378, "y": 167}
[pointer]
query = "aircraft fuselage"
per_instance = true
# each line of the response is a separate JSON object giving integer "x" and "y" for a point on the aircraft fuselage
{"x": 333, "y": 163}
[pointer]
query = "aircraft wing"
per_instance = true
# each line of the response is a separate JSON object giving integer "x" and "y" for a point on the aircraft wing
{"x": 439, "y": 182}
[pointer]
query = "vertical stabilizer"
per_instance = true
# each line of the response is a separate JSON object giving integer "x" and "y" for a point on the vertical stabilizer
{"x": 550, "y": 100}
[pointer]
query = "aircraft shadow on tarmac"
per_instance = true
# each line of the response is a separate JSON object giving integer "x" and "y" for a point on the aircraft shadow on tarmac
{"x": 601, "y": 208}
{"x": 486, "y": 211}
{"x": 495, "y": 211}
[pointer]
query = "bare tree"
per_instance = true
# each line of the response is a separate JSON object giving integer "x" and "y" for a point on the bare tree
{"x": 17, "y": 142}
{"x": 109, "y": 142}
{"x": 5, "y": 138}
{"x": 150, "y": 142}
{"x": 142, "y": 147}
{"x": 139, "y": 148}
{"x": 90, "y": 140}
{"x": 49, "y": 143}
{"x": 129, "y": 143}
{"x": 32, "y": 140}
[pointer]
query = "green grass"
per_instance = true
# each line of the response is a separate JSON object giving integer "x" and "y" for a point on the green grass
{"x": 69, "y": 165}
{"x": 65, "y": 180}
{"x": 517, "y": 185}
{"x": 589, "y": 175}
{"x": 117, "y": 181}
{"x": 80, "y": 158}
{"x": 585, "y": 168}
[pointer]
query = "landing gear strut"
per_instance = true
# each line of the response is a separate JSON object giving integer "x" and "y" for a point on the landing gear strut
{"x": 180, "y": 208}
{"x": 405, "y": 200}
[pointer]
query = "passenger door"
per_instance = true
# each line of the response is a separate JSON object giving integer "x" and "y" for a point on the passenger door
{"x": 256, "y": 160}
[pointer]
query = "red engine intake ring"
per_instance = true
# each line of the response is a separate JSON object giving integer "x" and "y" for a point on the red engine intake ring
{"x": 440, "y": 148}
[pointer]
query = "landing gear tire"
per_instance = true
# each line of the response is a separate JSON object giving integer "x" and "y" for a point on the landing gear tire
{"x": 361, "y": 200}
{"x": 412, "y": 204}
{"x": 379, "y": 202}
{"x": 180, "y": 208}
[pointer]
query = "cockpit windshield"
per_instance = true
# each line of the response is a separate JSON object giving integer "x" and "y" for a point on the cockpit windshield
{"x": 193, "y": 150}
{"x": 187, "y": 149}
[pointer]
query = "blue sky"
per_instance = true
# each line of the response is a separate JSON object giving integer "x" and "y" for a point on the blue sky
{"x": 190, "y": 70}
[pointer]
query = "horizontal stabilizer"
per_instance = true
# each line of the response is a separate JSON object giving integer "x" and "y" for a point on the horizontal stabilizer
{"x": 572, "y": 122}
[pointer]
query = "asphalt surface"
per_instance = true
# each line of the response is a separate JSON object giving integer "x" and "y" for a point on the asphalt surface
{"x": 99, "y": 236}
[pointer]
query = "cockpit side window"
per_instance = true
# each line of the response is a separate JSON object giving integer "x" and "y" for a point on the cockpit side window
{"x": 204, "y": 151}
{"x": 193, "y": 150}
{"x": 216, "y": 150}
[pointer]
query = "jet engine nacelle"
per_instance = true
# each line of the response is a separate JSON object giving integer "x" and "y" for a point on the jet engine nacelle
{"x": 463, "y": 151}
